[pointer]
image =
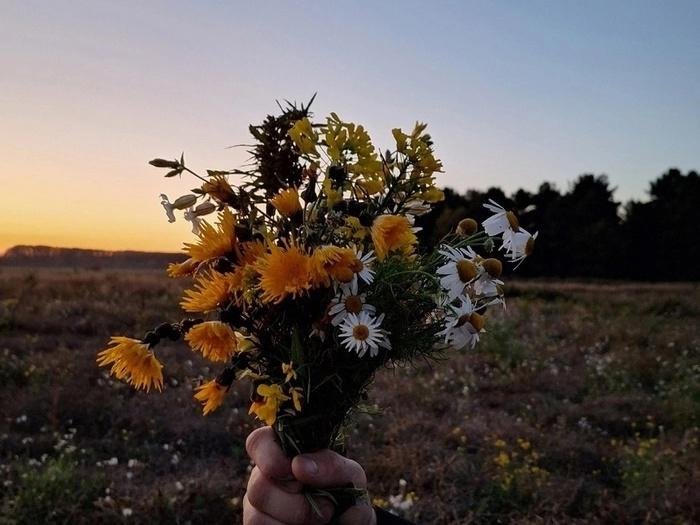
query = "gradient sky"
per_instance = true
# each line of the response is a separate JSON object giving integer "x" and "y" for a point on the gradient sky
{"x": 515, "y": 93}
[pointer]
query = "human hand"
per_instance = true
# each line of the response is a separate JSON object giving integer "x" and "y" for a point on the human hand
{"x": 274, "y": 493}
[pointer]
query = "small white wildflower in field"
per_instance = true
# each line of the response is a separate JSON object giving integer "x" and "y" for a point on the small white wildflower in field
{"x": 502, "y": 222}
{"x": 179, "y": 486}
{"x": 112, "y": 462}
{"x": 175, "y": 459}
{"x": 127, "y": 512}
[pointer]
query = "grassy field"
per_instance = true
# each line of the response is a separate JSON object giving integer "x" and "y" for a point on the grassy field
{"x": 582, "y": 405}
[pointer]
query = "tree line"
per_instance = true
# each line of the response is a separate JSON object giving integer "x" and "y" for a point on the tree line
{"x": 585, "y": 232}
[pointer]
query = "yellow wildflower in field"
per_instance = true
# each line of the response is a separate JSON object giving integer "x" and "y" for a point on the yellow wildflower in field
{"x": 267, "y": 408}
{"x": 215, "y": 340}
{"x": 211, "y": 395}
{"x": 286, "y": 202}
{"x": 392, "y": 233}
{"x": 214, "y": 241}
{"x": 210, "y": 290}
{"x": 133, "y": 361}
{"x": 284, "y": 272}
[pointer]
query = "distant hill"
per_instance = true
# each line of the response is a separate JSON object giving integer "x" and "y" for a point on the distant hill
{"x": 48, "y": 256}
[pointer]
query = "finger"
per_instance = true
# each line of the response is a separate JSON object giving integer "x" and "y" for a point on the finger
{"x": 267, "y": 454}
{"x": 252, "y": 516}
{"x": 265, "y": 495}
{"x": 328, "y": 469}
{"x": 360, "y": 514}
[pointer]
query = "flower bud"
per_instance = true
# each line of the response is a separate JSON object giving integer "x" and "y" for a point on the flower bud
{"x": 162, "y": 163}
{"x": 488, "y": 245}
{"x": 204, "y": 209}
{"x": 467, "y": 227}
{"x": 184, "y": 202}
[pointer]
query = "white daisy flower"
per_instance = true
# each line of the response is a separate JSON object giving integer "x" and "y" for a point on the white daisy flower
{"x": 520, "y": 245}
{"x": 346, "y": 303}
{"x": 462, "y": 325}
{"x": 459, "y": 270}
{"x": 502, "y": 222}
{"x": 487, "y": 286}
{"x": 168, "y": 207}
{"x": 363, "y": 332}
{"x": 363, "y": 270}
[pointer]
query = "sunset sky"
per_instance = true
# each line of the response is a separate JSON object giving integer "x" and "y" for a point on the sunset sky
{"x": 515, "y": 93}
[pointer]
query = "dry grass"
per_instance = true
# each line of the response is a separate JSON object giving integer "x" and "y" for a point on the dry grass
{"x": 581, "y": 406}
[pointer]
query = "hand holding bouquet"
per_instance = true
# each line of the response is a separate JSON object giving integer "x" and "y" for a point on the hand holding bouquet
{"x": 310, "y": 276}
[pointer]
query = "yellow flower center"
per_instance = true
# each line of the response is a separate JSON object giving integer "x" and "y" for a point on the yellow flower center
{"x": 513, "y": 220}
{"x": 477, "y": 321}
{"x": 466, "y": 270}
{"x": 530, "y": 246}
{"x": 344, "y": 274}
{"x": 494, "y": 267}
{"x": 360, "y": 332}
{"x": 467, "y": 227}
{"x": 357, "y": 266}
{"x": 353, "y": 304}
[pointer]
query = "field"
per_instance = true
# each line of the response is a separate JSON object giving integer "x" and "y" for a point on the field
{"x": 582, "y": 405}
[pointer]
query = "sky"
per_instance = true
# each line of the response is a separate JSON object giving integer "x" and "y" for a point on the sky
{"x": 515, "y": 93}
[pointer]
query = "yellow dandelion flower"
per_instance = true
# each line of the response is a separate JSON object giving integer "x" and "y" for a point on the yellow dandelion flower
{"x": 266, "y": 409}
{"x": 133, "y": 362}
{"x": 392, "y": 233}
{"x": 182, "y": 269}
{"x": 284, "y": 272}
{"x": 333, "y": 262}
{"x": 210, "y": 290}
{"x": 215, "y": 340}
{"x": 219, "y": 189}
{"x": 251, "y": 251}
{"x": 211, "y": 395}
{"x": 214, "y": 241}
{"x": 286, "y": 202}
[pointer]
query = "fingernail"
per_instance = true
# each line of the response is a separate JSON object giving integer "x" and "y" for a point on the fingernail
{"x": 309, "y": 466}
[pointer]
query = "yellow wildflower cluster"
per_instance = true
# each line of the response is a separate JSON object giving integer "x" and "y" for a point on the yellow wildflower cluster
{"x": 516, "y": 467}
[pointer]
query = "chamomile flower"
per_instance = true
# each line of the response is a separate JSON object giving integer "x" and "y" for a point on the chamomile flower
{"x": 362, "y": 332}
{"x": 520, "y": 245}
{"x": 346, "y": 303}
{"x": 462, "y": 325}
{"x": 502, "y": 222}
{"x": 459, "y": 270}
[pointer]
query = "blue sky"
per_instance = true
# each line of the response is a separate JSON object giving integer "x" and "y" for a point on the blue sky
{"x": 515, "y": 93}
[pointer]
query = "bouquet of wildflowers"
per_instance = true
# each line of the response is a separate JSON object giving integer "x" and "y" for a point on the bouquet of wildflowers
{"x": 308, "y": 274}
